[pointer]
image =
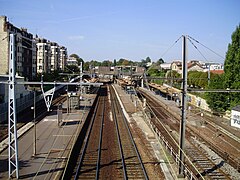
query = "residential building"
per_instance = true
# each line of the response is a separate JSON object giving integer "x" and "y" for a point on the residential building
{"x": 72, "y": 61}
{"x": 43, "y": 55}
{"x": 215, "y": 68}
{"x": 50, "y": 56}
{"x": 24, "y": 49}
{"x": 177, "y": 66}
{"x": 63, "y": 58}
{"x": 55, "y": 56}
{"x": 195, "y": 66}
{"x": 165, "y": 66}
{"x": 192, "y": 65}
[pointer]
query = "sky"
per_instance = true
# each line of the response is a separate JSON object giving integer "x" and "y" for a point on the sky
{"x": 131, "y": 29}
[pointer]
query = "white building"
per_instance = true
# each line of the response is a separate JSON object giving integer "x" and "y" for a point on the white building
{"x": 55, "y": 56}
{"x": 63, "y": 57}
{"x": 50, "y": 56}
{"x": 43, "y": 55}
{"x": 72, "y": 61}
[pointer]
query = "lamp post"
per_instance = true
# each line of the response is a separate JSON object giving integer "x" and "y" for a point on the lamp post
{"x": 34, "y": 123}
{"x": 34, "y": 89}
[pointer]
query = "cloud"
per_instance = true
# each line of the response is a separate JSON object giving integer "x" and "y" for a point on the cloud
{"x": 77, "y": 37}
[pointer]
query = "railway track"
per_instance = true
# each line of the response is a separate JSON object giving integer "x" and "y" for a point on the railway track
{"x": 108, "y": 151}
{"x": 133, "y": 167}
{"x": 197, "y": 164}
{"x": 89, "y": 159}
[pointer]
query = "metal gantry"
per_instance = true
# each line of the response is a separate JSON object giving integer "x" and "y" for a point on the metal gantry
{"x": 12, "y": 121}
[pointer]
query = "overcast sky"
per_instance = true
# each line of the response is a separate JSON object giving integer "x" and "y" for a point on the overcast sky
{"x": 131, "y": 29}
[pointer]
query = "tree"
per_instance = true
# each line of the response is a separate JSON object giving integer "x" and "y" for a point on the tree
{"x": 232, "y": 67}
{"x": 230, "y": 79}
{"x": 86, "y": 66}
{"x": 218, "y": 102}
{"x": 148, "y": 59}
{"x": 79, "y": 60}
{"x": 125, "y": 62}
{"x": 114, "y": 62}
{"x": 160, "y": 61}
{"x": 75, "y": 56}
{"x": 106, "y": 63}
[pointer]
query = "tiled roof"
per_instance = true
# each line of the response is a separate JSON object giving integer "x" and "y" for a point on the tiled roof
{"x": 217, "y": 71}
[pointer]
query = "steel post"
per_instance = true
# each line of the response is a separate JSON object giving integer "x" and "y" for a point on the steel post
{"x": 184, "y": 107}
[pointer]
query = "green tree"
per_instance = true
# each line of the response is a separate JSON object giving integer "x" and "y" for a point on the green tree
{"x": 148, "y": 59}
{"x": 114, "y": 62}
{"x": 75, "y": 56}
{"x": 160, "y": 61}
{"x": 218, "y": 102}
{"x": 86, "y": 66}
{"x": 232, "y": 67}
{"x": 106, "y": 63}
{"x": 79, "y": 60}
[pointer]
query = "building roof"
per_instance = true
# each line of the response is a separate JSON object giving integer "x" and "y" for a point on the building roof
{"x": 217, "y": 71}
{"x": 165, "y": 65}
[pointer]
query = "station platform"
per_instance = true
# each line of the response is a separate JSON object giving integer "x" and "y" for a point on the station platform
{"x": 53, "y": 143}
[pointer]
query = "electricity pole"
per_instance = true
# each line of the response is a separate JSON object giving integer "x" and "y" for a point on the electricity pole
{"x": 184, "y": 107}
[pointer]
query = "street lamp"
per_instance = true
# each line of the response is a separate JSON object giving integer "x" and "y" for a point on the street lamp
{"x": 34, "y": 89}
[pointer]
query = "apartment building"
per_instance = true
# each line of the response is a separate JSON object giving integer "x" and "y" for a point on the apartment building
{"x": 55, "y": 56}
{"x": 50, "y": 56}
{"x": 24, "y": 49}
{"x": 43, "y": 55}
{"x": 33, "y": 55}
{"x": 63, "y": 57}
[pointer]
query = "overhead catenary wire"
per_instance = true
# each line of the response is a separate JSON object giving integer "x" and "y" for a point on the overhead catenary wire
{"x": 197, "y": 49}
{"x": 206, "y": 47}
{"x": 171, "y": 46}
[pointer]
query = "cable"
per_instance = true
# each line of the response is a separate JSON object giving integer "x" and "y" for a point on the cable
{"x": 197, "y": 49}
{"x": 206, "y": 47}
{"x": 171, "y": 46}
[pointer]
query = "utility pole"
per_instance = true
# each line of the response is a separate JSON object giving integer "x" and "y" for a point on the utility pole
{"x": 12, "y": 120}
{"x": 80, "y": 80}
{"x": 35, "y": 129}
{"x": 209, "y": 74}
{"x": 184, "y": 107}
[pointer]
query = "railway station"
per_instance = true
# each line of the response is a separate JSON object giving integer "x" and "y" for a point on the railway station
{"x": 112, "y": 112}
{"x": 70, "y": 124}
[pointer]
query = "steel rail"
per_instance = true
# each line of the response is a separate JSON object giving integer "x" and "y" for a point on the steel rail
{"x": 131, "y": 138}
{"x": 100, "y": 142}
{"x": 135, "y": 147}
{"x": 86, "y": 142}
{"x": 188, "y": 155}
{"x": 118, "y": 136}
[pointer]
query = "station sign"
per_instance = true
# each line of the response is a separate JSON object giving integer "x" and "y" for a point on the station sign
{"x": 235, "y": 119}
